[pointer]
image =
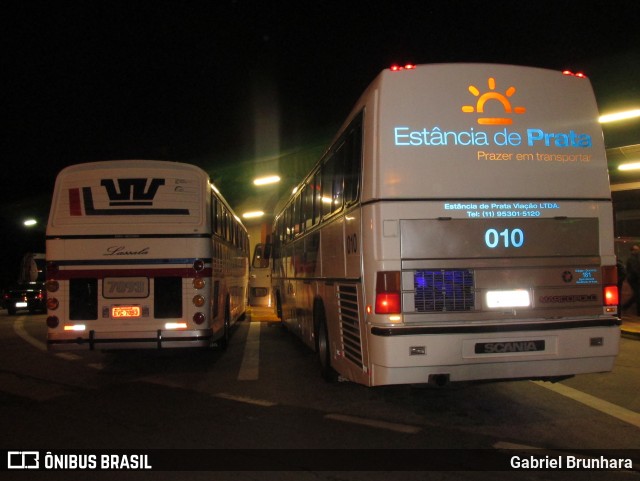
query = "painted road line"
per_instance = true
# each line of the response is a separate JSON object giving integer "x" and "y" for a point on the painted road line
{"x": 601, "y": 405}
{"x": 18, "y": 327}
{"x": 245, "y": 399}
{"x": 374, "y": 423}
{"x": 68, "y": 356}
{"x": 250, "y": 367}
{"x": 514, "y": 446}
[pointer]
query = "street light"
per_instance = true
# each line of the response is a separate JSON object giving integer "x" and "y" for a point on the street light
{"x": 271, "y": 179}
{"x": 629, "y": 166}
{"x": 627, "y": 114}
{"x": 30, "y": 222}
{"x": 252, "y": 215}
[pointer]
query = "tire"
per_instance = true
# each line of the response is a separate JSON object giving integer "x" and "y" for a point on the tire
{"x": 278, "y": 306}
{"x": 323, "y": 348}
{"x": 226, "y": 336}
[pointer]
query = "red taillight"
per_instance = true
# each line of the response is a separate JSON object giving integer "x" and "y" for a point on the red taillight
{"x": 388, "y": 293}
{"x": 52, "y": 322}
{"x": 52, "y": 269}
{"x": 611, "y": 296}
{"x": 610, "y": 282}
{"x": 198, "y": 265}
{"x": 388, "y": 303}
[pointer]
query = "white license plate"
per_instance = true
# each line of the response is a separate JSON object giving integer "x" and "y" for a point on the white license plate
{"x": 507, "y": 299}
{"x": 21, "y": 304}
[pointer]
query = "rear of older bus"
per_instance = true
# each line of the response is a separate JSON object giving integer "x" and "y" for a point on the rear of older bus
{"x": 129, "y": 257}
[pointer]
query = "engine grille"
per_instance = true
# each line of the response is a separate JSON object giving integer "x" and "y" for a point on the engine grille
{"x": 444, "y": 290}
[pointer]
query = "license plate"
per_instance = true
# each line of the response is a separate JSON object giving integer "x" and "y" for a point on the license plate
{"x": 125, "y": 287}
{"x": 509, "y": 347}
{"x": 21, "y": 304}
{"x": 125, "y": 311}
{"x": 508, "y": 299}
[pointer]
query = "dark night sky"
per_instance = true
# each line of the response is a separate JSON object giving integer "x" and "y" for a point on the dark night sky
{"x": 186, "y": 81}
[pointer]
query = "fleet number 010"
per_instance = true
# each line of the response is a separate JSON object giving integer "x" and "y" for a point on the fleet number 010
{"x": 506, "y": 238}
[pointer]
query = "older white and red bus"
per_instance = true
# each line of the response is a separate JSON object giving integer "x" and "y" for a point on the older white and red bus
{"x": 142, "y": 254}
{"x": 459, "y": 227}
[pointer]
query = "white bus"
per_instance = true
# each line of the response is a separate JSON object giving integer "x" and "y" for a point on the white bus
{"x": 260, "y": 276}
{"x": 459, "y": 227}
{"x": 142, "y": 254}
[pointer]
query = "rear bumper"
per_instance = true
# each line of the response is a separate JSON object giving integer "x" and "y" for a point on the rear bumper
{"x": 466, "y": 353}
{"x": 160, "y": 339}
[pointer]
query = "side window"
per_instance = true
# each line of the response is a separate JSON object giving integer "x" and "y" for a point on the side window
{"x": 307, "y": 206}
{"x": 332, "y": 183}
{"x": 327, "y": 186}
{"x": 316, "y": 187}
{"x": 298, "y": 227}
{"x": 353, "y": 162}
{"x": 261, "y": 256}
{"x": 288, "y": 222}
{"x": 338, "y": 178}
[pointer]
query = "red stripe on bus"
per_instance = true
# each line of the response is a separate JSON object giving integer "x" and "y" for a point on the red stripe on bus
{"x": 75, "y": 207}
{"x": 184, "y": 272}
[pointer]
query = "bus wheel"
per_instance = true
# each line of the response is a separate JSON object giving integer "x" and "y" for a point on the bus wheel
{"x": 324, "y": 353}
{"x": 224, "y": 340}
{"x": 279, "y": 306}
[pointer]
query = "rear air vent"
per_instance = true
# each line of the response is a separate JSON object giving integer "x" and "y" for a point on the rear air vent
{"x": 444, "y": 290}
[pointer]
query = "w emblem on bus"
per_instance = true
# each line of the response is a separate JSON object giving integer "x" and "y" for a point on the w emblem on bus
{"x": 130, "y": 196}
{"x": 490, "y": 96}
{"x": 131, "y": 191}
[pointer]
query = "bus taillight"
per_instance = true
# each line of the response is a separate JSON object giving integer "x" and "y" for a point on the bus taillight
{"x": 388, "y": 293}
{"x": 53, "y": 322}
{"x": 52, "y": 269}
{"x": 611, "y": 295}
{"x": 198, "y": 265}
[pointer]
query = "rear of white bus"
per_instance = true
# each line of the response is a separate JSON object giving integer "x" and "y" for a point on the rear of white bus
{"x": 129, "y": 257}
{"x": 491, "y": 249}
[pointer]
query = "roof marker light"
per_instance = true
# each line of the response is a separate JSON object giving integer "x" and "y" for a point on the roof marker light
{"x": 571, "y": 74}
{"x": 397, "y": 68}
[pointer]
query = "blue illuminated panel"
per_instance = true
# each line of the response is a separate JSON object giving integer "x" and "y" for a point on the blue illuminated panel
{"x": 444, "y": 290}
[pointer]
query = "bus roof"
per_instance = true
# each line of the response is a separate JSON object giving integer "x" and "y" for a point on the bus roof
{"x": 136, "y": 195}
{"x": 483, "y": 130}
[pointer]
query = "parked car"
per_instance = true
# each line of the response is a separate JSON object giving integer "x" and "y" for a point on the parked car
{"x": 30, "y": 296}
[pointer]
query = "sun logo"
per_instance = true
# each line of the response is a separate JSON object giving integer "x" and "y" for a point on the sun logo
{"x": 489, "y": 96}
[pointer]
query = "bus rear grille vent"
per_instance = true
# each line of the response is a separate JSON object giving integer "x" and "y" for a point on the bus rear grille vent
{"x": 350, "y": 323}
{"x": 444, "y": 290}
